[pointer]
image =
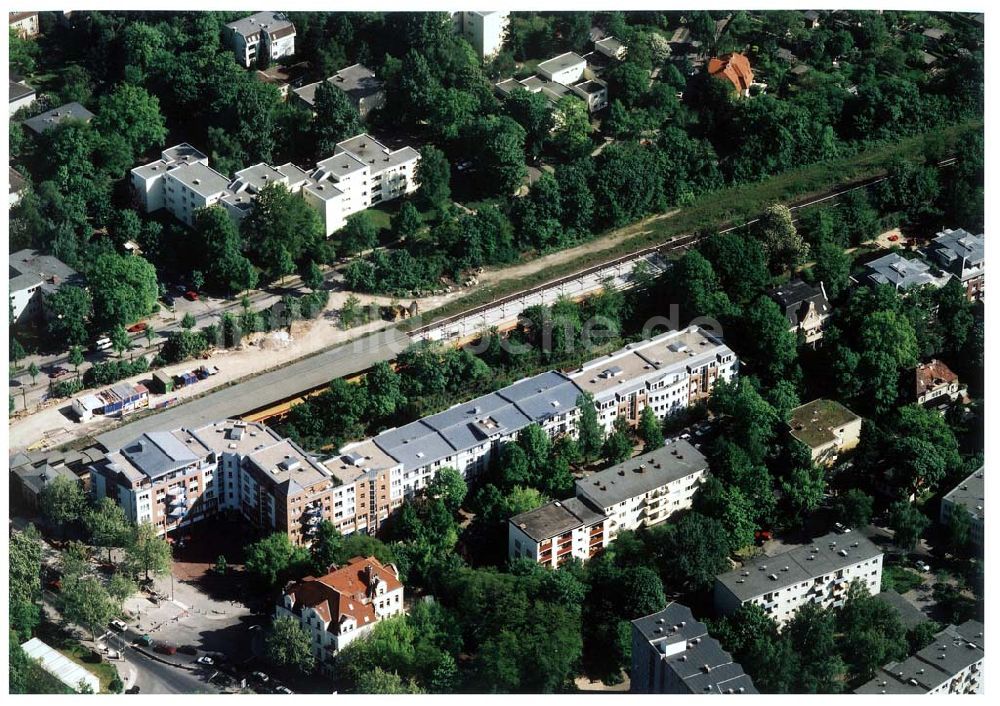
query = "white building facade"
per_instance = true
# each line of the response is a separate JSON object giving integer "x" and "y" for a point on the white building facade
{"x": 485, "y": 30}
{"x": 265, "y": 34}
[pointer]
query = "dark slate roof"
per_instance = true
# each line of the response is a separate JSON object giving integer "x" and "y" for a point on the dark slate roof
{"x": 20, "y": 90}
{"x": 908, "y": 613}
{"x": 51, "y": 118}
{"x": 795, "y": 297}
{"x": 556, "y": 518}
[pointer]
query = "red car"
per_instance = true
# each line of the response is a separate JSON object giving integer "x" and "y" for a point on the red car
{"x": 137, "y": 328}
{"x": 191, "y": 296}
{"x": 57, "y": 372}
{"x": 893, "y": 238}
{"x": 165, "y": 649}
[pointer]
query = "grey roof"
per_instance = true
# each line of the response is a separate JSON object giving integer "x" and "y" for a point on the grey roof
{"x": 702, "y": 665}
{"x": 29, "y": 267}
{"x": 17, "y": 182}
{"x": 323, "y": 190}
{"x": 542, "y": 396}
{"x": 201, "y": 179}
{"x": 377, "y": 156}
{"x": 271, "y": 22}
{"x": 795, "y": 296}
{"x": 908, "y": 613}
{"x": 338, "y": 165}
{"x": 183, "y": 152}
{"x": 591, "y": 86}
{"x": 533, "y": 83}
{"x": 609, "y": 43}
{"x": 36, "y": 477}
{"x": 157, "y": 453}
{"x": 356, "y": 81}
{"x": 954, "y": 649}
{"x": 294, "y": 175}
{"x": 810, "y": 15}
{"x": 508, "y": 85}
{"x": 556, "y": 518}
{"x": 958, "y": 250}
{"x": 971, "y": 493}
{"x": 935, "y": 33}
{"x": 19, "y": 90}
{"x": 900, "y": 272}
{"x": 257, "y": 177}
{"x": 802, "y": 563}
{"x": 642, "y": 474}
{"x": 50, "y": 118}
{"x": 563, "y": 61}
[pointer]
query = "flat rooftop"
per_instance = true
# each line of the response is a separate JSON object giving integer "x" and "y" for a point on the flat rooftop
{"x": 556, "y": 518}
{"x": 642, "y": 474}
{"x": 234, "y": 436}
{"x": 971, "y": 493}
{"x": 824, "y": 555}
{"x": 377, "y": 156}
{"x": 262, "y": 21}
{"x": 286, "y": 463}
{"x": 258, "y": 176}
{"x": 360, "y": 459}
{"x": 202, "y": 179}
{"x": 357, "y": 81}
{"x": 159, "y": 453}
{"x": 561, "y": 62}
{"x": 51, "y": 118}
{"x": 813, "y": 423}
{"x": 29, "y": 267}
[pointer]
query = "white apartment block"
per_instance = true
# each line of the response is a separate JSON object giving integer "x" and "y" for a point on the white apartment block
{"x": 820, "y": 572}
{"x": 557, "y": 532}
{"x": 669, "y": 372}
{"x": 970, "y": 494}
{"x": 25, "y": 24}
{"x": 361, "y": 173}
{"x": 268, "y": 34}
{"x": 647, "y": 489}
{"x": 344, "y": 605}
{"x": 951, "y": 664}
{"x": 485, "y": 30}
{"x": 566, "y": 68}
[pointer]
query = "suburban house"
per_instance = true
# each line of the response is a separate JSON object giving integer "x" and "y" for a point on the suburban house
{"x": 557, "y": 532}
{"x": 806, "y": 307}
{"x": 961, "y": 254}
{"x": 357, "y": 82}
{"x": 827, "y": 428}
{"x": 284, "y": 78}
{"x": 24, "y": 23}
{"x": 970, "y": 494}
{"x": 819, "y": 572}
{"x": 735, "y": 68}
{"x": 672, "y": 653}
{"x": 936, "y": 384}
{"x": 32, "y": 276}
{"x": 642, "y": 491}
{"x": 361, "y": 173}
{"x": 50, "y": 118}
{"x": 261, "y": 38}
{"x": 21, "y": 96}
{"x": 17, "y": 187}
{"x": 485, "y": 30}
{"x": 811, "y": 19}
{"x": 951, "y": 664}
{"x": 900, "y": 273}
{"x": 344, "y": 605}
{"x": 611, "y": 48}
{"x": 29, "y": 478}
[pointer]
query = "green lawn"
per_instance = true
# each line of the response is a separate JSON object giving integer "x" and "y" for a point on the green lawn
{"x": 900, "y": 579}
{"x": 734, "y": 204}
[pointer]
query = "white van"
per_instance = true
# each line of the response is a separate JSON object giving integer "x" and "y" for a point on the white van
{"x": 102, "y": 344}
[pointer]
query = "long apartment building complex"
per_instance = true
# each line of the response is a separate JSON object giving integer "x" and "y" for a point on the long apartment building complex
{"x": 176, "y": 478}
{"x": 672, "y": 653}
{"x": 820, "y": 572}
{"x": 642, "y": 491}
{"x": 361, "y": 173}
{"x": 952, "y": 664}
{"x": 345, "y": 604}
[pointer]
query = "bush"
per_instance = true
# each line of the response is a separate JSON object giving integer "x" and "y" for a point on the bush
{"x": 114, "y": 370}
{"x": 182, "y": 345}
{"x": 66, "y": 388}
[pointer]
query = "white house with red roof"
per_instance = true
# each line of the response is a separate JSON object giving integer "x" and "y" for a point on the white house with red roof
{"x": 343, "y": 605}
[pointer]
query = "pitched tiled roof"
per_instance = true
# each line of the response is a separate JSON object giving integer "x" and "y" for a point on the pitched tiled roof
{"x": 344, "y": 592}
{"x": 734, "y": 67}
{"x": 933, "y": 375}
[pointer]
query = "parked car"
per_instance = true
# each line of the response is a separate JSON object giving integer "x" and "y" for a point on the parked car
{"x": 138, "y": 328}
{"x": 923, "y": 566}
{"x": 205, "y": 660}
{"x": 146, "y": 640}
{"x": 168, "y": 299}
{"x": 283, "y": 690}
{"x": 761, "y": 536}
{"x": 893, "y": 238}
{"x": 165, "y": 649}
{"x": 191, "y": 295}
{"x": 54, "y": 585}
{"x": 841, "y": 528}
{"x": 181, "y": 288}
{"x": 261, "y": 677}
{"x": 188, "y": 649}
{"x": 57, "y": 372}
{"x": 133, "y": 690}
{"x": 102, "y": 344}
{"x": 118, "y": 625}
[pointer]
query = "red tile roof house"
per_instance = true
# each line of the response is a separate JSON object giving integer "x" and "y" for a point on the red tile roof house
{"x": 735, "y": 68}
{"x": 344, "y": 605}
{"x": 934, "y": 381}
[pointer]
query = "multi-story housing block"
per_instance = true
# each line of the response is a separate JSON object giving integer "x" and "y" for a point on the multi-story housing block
{"x": 820, "y": 572}
{"x": 963, "y": 255}
{"x": 344, "y": 605}
{"x": 25, "y": 24}
{"x": 672, "y": 653}
{"x": 264, "y": 35}
{"x": 669, "y": 372}
{"x": 485, "y": 30}
{"x": 20, "y": 95}
{"x": 970, "y": 494}
{"x": 32, "y": 276}
{"x": 565, "y": 75}
{"x": 647, "y": 489}
{"x": 357, "y": 82}
{"x": 951, "y": 664}
{"x": 372, "y": 490}
{"x": 557, "y": 532}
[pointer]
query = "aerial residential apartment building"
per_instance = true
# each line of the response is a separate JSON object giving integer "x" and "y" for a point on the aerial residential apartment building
{"x": 951, "y": 664}
{"x": 485, "y": 30}
{"x": 57, "y": 116}
{"x": 970, "y": 494}
{"x": 564, "y": 75}
{"x": 669, "y": 372}
{"x": 642, "y": 491}
{"x": 32, "y": 276}
{"x": 557, "y": 532}
{"x": 963, "y": 255}
{"x": 356, "y": 82}
{"x": 342, "y": 606}
{"x": 264, "y": 36}
{"x": 820, "y": 572}
{"x": 900, "y": 273}
{"x": 672, "y": 653}
{"x": 827, "y": 428}
{"x": 20, "y": 95}
{"x": 25, "y": 24}
{"x": 361, "y": 173}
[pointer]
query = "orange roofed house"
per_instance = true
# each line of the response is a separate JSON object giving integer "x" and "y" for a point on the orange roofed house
{"x": 735, "y": 68}
{"x": 344, "y": 605}
{"x": 935, "y": 382}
